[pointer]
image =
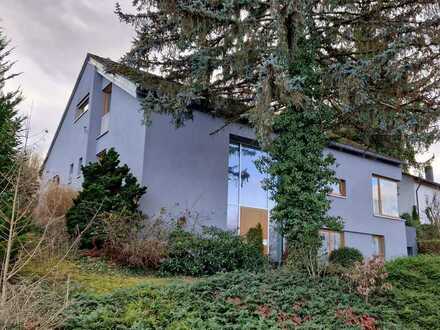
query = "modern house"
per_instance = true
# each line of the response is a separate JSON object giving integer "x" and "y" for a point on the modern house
{"x": 214, "y": 175}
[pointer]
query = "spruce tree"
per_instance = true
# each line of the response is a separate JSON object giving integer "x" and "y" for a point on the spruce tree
{"x": 306, "y": 70}
{"x": 107, "y": 187}
{"x": 10, "y": 128}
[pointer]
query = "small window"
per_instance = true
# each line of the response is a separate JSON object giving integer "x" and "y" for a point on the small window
{"x": 385, "y": 200}
{"x": 331, "y": 240}
{"x": 56, "y": 179}
{"x": 339, "y": 188}
{"x": 80, "y": 163}
{"x": 70, "y": 173}
{"x": 82, "y": 107}
{"x": 378, "y": 244}
{"x": 107, "y": 93}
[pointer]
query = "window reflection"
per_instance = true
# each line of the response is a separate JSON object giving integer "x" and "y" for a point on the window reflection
{"x": 385, "y": 198}
{"x": 245, "y": 182}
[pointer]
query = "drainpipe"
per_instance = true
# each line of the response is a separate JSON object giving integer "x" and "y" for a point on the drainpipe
{"x": 417, "y": 199}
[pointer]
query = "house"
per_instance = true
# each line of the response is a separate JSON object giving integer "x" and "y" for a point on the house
{"x": 214, "y": 175}
{"x": 418, "y": 192}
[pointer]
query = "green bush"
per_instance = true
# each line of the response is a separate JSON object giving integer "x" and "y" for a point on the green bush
{"x": 255, "y": 237}
{"x": 345, "y": 256}
{"x": 107, "y": 188}
{"x": 238, "y": 300}
{"x": 210, "y": 252}
{"x": 414, "y": 297}
{"x": 429, "y": 246}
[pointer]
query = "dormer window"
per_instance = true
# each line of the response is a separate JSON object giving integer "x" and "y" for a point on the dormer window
{"x": 82, "y": 107}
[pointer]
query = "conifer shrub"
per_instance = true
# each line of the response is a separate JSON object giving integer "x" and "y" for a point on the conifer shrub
{"x": 209, "y": 252}
{"x": 346, "y": 256}
{"x": 107, "y": 187}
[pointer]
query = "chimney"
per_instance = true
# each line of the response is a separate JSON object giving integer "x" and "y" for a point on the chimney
{"x": 429, "y": 173}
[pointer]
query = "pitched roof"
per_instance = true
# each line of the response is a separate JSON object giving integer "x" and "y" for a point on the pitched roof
{"x": 423, "y": 181}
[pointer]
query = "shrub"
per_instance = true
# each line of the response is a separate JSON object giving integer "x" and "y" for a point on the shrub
{"x": 368, "y": 277}
{"x": 255, "y": 237}
{"x": 416, "y": 289}
{"x": 135, "y": 241}
{"x": 346, "y": 256}
{"x": 209, "y": 252}
{"x": 238, "y": 300}
{"x": 429, "y": 246}
{"x": 107, "y": 187}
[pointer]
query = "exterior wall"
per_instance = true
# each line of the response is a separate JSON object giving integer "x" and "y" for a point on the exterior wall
{"x": 413, "y": 193}
{"x": 72, "y": 139}
{"x": 357, "y": 208}
{"x": 425, "y": 195}
{"x": 407, "y": 194}
{"x": 411, "y": 239}
{"x": 126, "y": 133}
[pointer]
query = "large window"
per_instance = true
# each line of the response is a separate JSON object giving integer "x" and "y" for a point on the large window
{"x": 331, "y": 240}
{"x": 248, "y": 202}
{"x": 385, "y": 201}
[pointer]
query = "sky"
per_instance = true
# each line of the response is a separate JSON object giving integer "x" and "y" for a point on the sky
{"x": 51, "y": 39}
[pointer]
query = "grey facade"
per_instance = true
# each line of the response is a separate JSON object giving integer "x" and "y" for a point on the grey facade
{"x": 186, "y": 169}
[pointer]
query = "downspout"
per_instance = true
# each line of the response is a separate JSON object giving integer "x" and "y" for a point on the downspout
{"x": 417, "y": 199}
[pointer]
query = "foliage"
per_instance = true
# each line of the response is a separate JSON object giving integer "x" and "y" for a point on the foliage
{"x": 381, "y": 80}
{"x": 429, "y": 246}
{"x": 368, "y": 277}
{"x": 427, "y": 232}
{"x": 413, "y": 219}
{"x": 210, "y": 252}
{"x": 11, "y": 126}
{"x": 299, "y": 179}
{"x": 254, "y": 236}
{"x": 107, "y": 187}
{"x": 239, "y": 300}
{"x": 346, "y": 256}
{"x": 135, "y": 241}
{"x": 415, "y": 293}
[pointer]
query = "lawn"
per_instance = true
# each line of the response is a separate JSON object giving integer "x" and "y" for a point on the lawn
{"x": 93, "y": 275}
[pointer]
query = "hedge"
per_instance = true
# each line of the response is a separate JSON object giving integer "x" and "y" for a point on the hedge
{"x": 429, "y": 246}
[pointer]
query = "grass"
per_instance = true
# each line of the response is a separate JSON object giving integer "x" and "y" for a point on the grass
{"x": 96, "y": 276}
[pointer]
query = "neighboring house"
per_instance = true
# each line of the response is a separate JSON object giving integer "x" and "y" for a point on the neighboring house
{"x": 418, "y": 192}
{"x": 214, "y": 175}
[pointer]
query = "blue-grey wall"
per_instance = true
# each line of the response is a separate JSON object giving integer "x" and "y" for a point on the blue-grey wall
{"x": 357, "y": 208}
{"x": 72, "y": 139}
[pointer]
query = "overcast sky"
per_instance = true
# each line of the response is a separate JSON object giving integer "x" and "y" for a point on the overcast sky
{"x": 51, "y": 39}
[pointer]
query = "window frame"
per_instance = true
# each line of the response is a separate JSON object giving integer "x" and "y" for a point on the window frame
{"x": 342, "y": 183}
{"x": 106, "y": 102}
{"x": 85, "y": 101}
{"x": 333, "y": 232}
{"x": 380, "y": 207}
{"x": 381, "y": 244}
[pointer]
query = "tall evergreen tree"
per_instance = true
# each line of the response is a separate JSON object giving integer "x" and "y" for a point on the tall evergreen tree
{"x": 10, "y": 128}
{"x": 368, "y": 70}
{"x": 378, "y": 59}
{"x": 107, "y": 187}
